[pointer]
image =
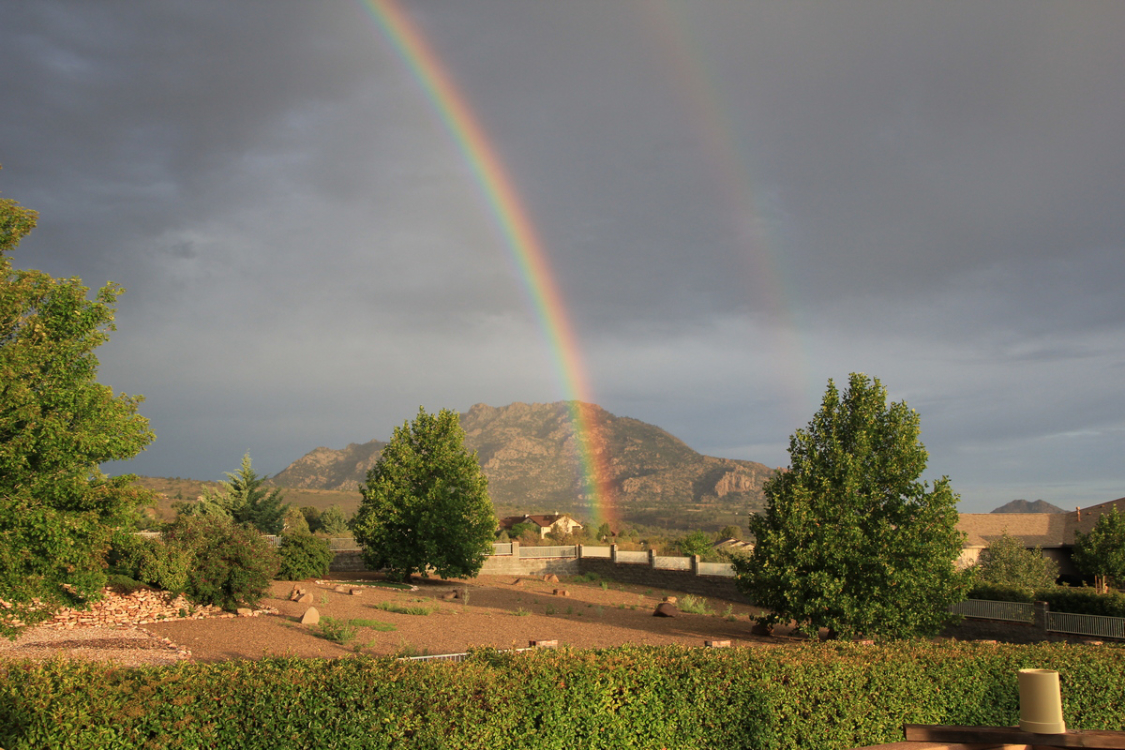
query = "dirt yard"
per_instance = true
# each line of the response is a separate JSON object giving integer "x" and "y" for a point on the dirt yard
{"x": 450, "y": 616}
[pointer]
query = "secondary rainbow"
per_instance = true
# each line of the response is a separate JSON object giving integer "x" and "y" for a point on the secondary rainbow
{"x": 523, "y": 244}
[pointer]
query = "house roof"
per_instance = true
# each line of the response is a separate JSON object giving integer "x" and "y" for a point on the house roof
{"x": 540, "y": 520}
{"x": 1044, "y": 530}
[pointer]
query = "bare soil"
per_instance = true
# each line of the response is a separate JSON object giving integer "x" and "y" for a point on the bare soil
{"x": 490, "y": 611}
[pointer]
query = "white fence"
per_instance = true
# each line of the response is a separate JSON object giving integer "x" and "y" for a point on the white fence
{"x": 989, "y": 610}
{"x": 669, "y": 563}
{"x": 605, "y": 552}
{"x": 631, "y": 556}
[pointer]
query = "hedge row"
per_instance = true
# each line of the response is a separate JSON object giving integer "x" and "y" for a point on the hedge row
{"x": 811, "y": 696}
{"x": 1082, "y": 601}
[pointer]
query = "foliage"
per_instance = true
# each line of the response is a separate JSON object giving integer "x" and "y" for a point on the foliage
{"x": 232, "y": 564}
{"x": 850, "y": 539}
{"x": 333, "y": 522}
{"x": 1082, "y": 601}
{"x": 843, "y": 695}
{"x": 57, "y": 425}
{"x": 996, "y": 593}
{"x": 312, "y": 517}
{"x": 295, "y": 522}
{"x": 243, "y": 500}
{"x": 425, "y": 503}
{"x": 730, "y": 532}
{"x": 695, "y": 543}
{"x": 1007, "y": 562}
{"x": 337, "y": 631}
{"x": 694, "y": 605}
{"x": 604, "y": 532}
{"x": 405, "y": 609}
{"x": 1102, "y": 551}
{"x": 303, "y": 556}
{"x": 150, "y": 561}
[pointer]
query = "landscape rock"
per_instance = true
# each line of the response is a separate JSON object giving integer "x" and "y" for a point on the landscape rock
{"x": 305, "y": 598}
{"x": 449, "y": 597}
{"x": 244, "y": 612}
{"x": 664, "y": 609}
{"x": 311, "y": 616}
{"x": 670, "y": 599}
{"x": 340, "y": 590}
{"x": 551, "y": 578}
{"x": 561, "y": 592}
{"x": 295, "y": 594}
{"x": 356, "y": 592}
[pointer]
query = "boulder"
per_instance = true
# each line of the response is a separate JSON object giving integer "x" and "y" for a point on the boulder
{"x": 664, "y": 609}
{"x": 670, "y": 599}
{"x": 761, "y": 628}
{"x": 562, "y": 592}
{"x": 311, "y": 617}
{"x": 305, "y": 598}
{"x": 551, "y": 578}
{"x": 296, "y": 594}
{"x": 340, "y": 590}
{"x": 244, "y": 612}
{"x": 356, "y": 592}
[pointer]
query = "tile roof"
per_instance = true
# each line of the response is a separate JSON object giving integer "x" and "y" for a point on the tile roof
{"x": 1036, "y": 529}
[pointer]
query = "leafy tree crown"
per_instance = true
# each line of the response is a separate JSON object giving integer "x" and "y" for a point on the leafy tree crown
{"x": 425, "y": 502}
{"x": 851, "y": 540}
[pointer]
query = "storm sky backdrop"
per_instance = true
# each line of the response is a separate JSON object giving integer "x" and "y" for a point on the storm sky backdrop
{"x": 738, "y": 201}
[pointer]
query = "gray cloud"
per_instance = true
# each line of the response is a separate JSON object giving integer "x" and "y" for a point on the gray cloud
{"x": 738, "y": 200}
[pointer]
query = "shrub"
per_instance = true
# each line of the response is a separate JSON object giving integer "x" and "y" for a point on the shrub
{"x": 303, "y": 556}
{"x": 1007, "y": 562}
{"x": 150, "y": 561}
{"x": 232, "y": 565}
{"x": 1082, "y": 601}
{"x": 696, "y": 605}
{"x": 996, "y": 593}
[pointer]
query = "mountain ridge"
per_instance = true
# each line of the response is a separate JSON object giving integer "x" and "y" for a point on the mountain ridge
{"x": 529, "y": 452}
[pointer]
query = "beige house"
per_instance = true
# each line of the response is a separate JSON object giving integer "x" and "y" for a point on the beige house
{"x": 1051, "y": 532}
{"x": 560, "y": 522}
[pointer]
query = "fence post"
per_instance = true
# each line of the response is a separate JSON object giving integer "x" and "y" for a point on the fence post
{"x": 1040, "y": 616}
{"x": 579, "y": 551}
{"x": 515, "y": 550}
{"x": 695, "y": 565}
{"x": 613, "y": 553}
{"x": 652, "y": 558}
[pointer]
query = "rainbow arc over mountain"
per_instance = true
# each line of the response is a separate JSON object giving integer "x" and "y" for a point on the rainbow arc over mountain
{"x": 523, "y": 244}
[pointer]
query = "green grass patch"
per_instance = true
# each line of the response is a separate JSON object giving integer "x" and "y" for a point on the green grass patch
{"x": 382, "y": 627}
{"x": 405, "y": 609}
{"x": 695, "y": 605}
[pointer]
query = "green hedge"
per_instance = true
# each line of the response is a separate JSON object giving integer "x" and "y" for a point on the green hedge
{"x": 815, "y": 696}
{"x": 1081, "y": 601}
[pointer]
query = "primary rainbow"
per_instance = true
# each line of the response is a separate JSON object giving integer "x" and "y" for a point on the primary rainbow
{"x": 524, "y": 246}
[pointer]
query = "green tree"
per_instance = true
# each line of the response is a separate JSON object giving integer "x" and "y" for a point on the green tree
{"x": 1007, "y": 562}
{"x": 850, "y": 539}
{"x": 696, "y": 543}
{"x": 425, "y": 503}
{"x": 730, "y": 532}
{"x": 243, "y": 500}
{"x": 333, "y": 521}
{"x": 57, "y": 425}
{"x": 1101, "y": 553}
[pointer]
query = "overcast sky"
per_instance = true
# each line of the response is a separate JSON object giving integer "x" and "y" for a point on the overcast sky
{"x": 739, "y": 200}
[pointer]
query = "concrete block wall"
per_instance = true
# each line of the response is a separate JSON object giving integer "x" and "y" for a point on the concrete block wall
{"x": 717, "y": 587}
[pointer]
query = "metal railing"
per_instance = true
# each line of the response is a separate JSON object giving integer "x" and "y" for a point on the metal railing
{"x": 596, "y": 552}
{"x": 1076, "y": 624}
{"x": 499, "y": 548}
{"x": 458, "y": 657}
{"x": 672, "y": 563}
{"x": 631, "y": 556}
{"x": 989, "y": 610}
{"x": 539, "y": 552}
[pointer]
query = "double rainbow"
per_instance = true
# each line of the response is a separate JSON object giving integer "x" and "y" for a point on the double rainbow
{"x": 523, "y": 244}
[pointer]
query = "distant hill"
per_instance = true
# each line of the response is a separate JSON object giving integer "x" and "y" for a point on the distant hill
{"x": 1026, "y": 506}
{"x": 528, "y": 453}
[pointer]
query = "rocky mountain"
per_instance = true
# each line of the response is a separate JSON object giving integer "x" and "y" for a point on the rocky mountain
{"x": 529, "y": 454}
{"x": 1024, "y": 506}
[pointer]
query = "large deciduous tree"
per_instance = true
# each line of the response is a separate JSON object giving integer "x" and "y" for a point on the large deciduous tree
{"x": 425, "y": 503}
{"x": 851, "y": 540}
{"x": 1101, "y": 553}
{"x": 57, "y": 425}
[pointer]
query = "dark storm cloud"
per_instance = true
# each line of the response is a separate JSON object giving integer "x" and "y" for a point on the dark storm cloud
{"x": 930, "y": 192}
